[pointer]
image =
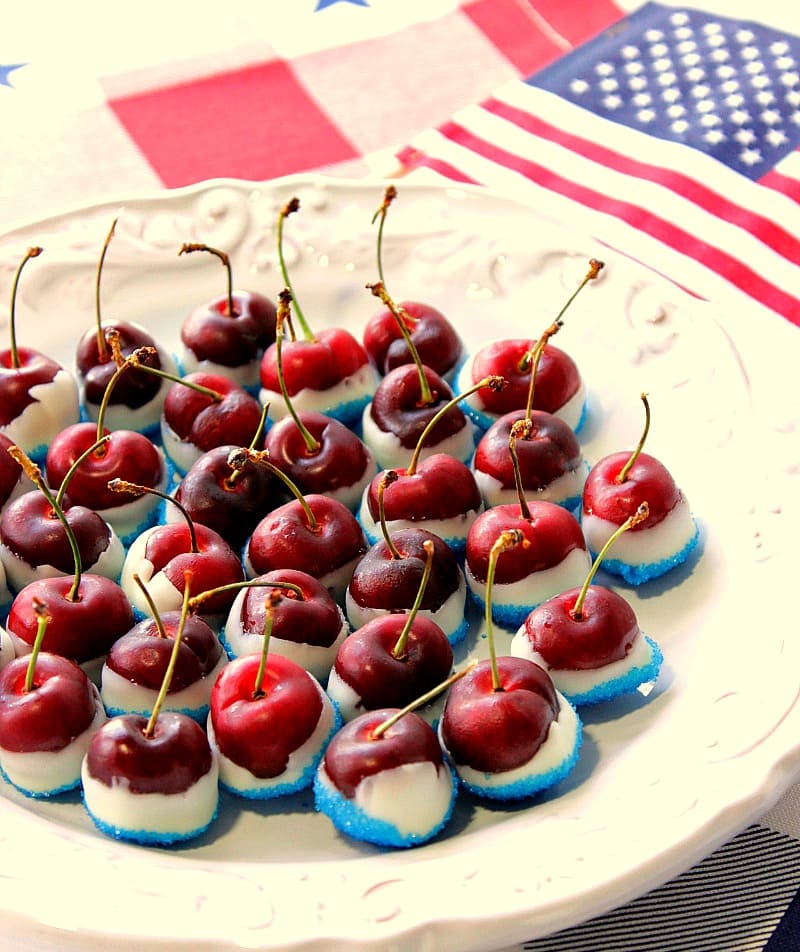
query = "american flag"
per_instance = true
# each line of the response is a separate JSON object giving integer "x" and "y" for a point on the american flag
{"x": 673, "y": 134}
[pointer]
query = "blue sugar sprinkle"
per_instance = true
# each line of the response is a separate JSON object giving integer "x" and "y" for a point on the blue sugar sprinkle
{"x": 347, "y": 817}
{"x": 272, "y": 790}
{"x": 534, "y": 783}
{"x": 507, "y": 616}
{"x": 199, "y": 714}
{"x": 147, "y": 837}
{"x": 640, "y": 573}
{"x": 624, "y": 684}
{"x": 456, "y": 637}
{"x": 349, "y": 412}
{"x": 458, "y": 544}
{"x": 154, "y": 517}
{"x": 42, "y": 794}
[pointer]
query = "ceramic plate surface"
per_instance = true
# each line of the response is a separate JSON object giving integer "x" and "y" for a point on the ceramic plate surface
{"x": 664, "y": 776}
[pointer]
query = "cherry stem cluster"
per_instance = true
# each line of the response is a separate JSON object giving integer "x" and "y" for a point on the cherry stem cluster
{"x": 389, "y": 195}
{"x": 294, "y": 590}
{"x": 238, "y": 459}
{"x": 521, "y": 429}
{"x": 284, "y": 317}
{"x": 12, "y": 325}
{"x": 270, "y": 604}
{"x": 43, "y": 620}
{"x": 173, "y": 658}
{"x": 508, "y": 539}
{"x": 389, "y": 477}
{"x": 189, "y": 247}
{"x": 102, "y": 344}
{"x": 156, "y": 614}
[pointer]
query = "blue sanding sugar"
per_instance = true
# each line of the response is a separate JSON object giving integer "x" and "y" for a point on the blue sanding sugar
{"x": 42, "y": 794}
{"x": 507, "y": 616}
{"x": 625, "y": 683}
{"x": 199, "y": 714}
{"x": 349, "y": 818}
{"x": 148, "y": 837}
{"x": 646, "y": 571}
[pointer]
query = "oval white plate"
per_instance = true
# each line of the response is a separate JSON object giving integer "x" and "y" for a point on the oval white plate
{"x": 662, "y": 778}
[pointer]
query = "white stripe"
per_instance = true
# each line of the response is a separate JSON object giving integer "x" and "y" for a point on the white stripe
{"x": 655, "y": 198}
{"x": 660, "y": 153}
{"x": 638, "y": 245}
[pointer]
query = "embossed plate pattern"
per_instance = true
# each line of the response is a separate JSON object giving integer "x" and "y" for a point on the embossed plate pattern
{"x": 663, "y": 777}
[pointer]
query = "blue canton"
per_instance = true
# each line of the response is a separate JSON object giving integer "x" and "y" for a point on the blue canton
{"x": 322, "y": 4}
{"x": 726, "y": 87}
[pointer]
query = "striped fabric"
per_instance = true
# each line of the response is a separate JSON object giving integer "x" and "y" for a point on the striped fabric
{"x": 674, "y": 134}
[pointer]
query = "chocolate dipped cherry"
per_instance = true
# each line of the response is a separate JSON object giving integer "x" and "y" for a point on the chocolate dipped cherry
{"x": 136, "y": 401}
{"x": 438, "y": 493}
{"x": 163, "y": 555}
{"x": 327, "y": 371}
{"x": 38, "y": 397}
{"x": 589, "y": 639}
{"x": 383, "y": 778}
{"x": 392, "y": 659}
{"x": 559, "y": 389}
{"x": 136, "y": 665}
{"x": 153, "y": 779}
{"x": 615, "y": 488}
{"x": 228, "y": 335}
{"x": 435, "y": 339}
{"x": 318, "y": 453}
{"x": 505, "y": 727}
{"x": 314, "y": 534}
{"x": 387, "y": 579}
{"x": 49, "y": 710}
{"x": 552, "y": 558}
{"x": 308, "y": 626}
{"x": 405, "y": 402}
{"x": 270, "y": 721}
{"x": 203, "y": 411}
{"x": 87, "y": 612}
{"x": 127, "y": 454}
{"x": 33, "y": 542}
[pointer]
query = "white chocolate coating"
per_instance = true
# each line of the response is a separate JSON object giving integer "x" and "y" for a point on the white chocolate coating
{"x": 568, "y": 486}
{"x": 127, "y": 518}
{"x": 643, "y": 546}
{"x": 391, "y": 454}
{"x": 7, "y": 649}
{"x": 456, "y": 528}
{"x": 55, "y": 407}
{"x": 353, "y": 389}
{"x": 156, "y": 813}
{"x": 245, "y": 375}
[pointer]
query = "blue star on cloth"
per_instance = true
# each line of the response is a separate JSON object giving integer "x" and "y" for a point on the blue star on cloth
{"x": 322, "y": 4}
{"x": 729, "y": 89}
{"x": 5, "y": 72}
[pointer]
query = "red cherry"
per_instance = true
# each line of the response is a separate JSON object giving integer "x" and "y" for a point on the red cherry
{"x": 318, "y": 364}
{"x": 441, "y": 488}
{"x": 231, "y": 339}
{"x": 647, "y": 481}
{"x": 10, "y": 471}
{"x": 314, "y": 619}
{"x": 197, "y": 418}
{"x": 434, "y": 337}
{"x": 135, "y": 387}
{"x": 60, "y": 706}
{"x": 261, "y": 731}
{"x": 496, "y": 730}
{"x": 16, "y": 383}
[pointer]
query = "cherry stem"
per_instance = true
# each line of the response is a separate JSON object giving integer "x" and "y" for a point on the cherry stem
{"x": 123, "y": 486}
{"x": 123, "y": 363}
{"x": 238, "y": 458}
{"x": 173, "y": 658}
{"x": 284, "y": 311}
{"x": 209, "y": 392}
{"x": 595, "y": 267}
{"x": 507, "y": 539}
{"x": 422, "y": 699}
{"x": 43, "y": 620}
{"x": 191, "y": 246}
{"x": 102, "y": 346}
{"x": 493, "y": 382}
{"x": 639, "y": 516}
{"x": 388, "y": 197}
{"x": 231, "y": 480}
{"x": 289, "y": 209}
{"x": 519, "y": 430}
{"x": 30, "y": 253}
{"x": 426, "y": 397}
{"x": 536, "y": 358}
{"x": 399, "y": 649}
{"x": 623, "y": 473}
{"x": 34, "y": 474}
{"x": 162, "y": 631}
{"x": 62, "y": 489}
{"x": 269, "y": 605}
{"x": 389, "y": 477}
{"x": 198, "y": 600}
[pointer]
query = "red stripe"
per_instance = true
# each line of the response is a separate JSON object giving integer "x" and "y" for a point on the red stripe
{"x": 413, "y": 159}
{"x": 722, "y": 263}
{"x": 775, "y": 237}
{"x": 578, "y": 26}
{"x": 790, "y": 187}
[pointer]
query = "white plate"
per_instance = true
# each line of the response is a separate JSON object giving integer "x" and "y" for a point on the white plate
{"x": 662, "y": 779}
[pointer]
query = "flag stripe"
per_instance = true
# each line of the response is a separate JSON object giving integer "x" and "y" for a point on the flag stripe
{"x": 776, "y": 237}
{"x": 736, "y": 270}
